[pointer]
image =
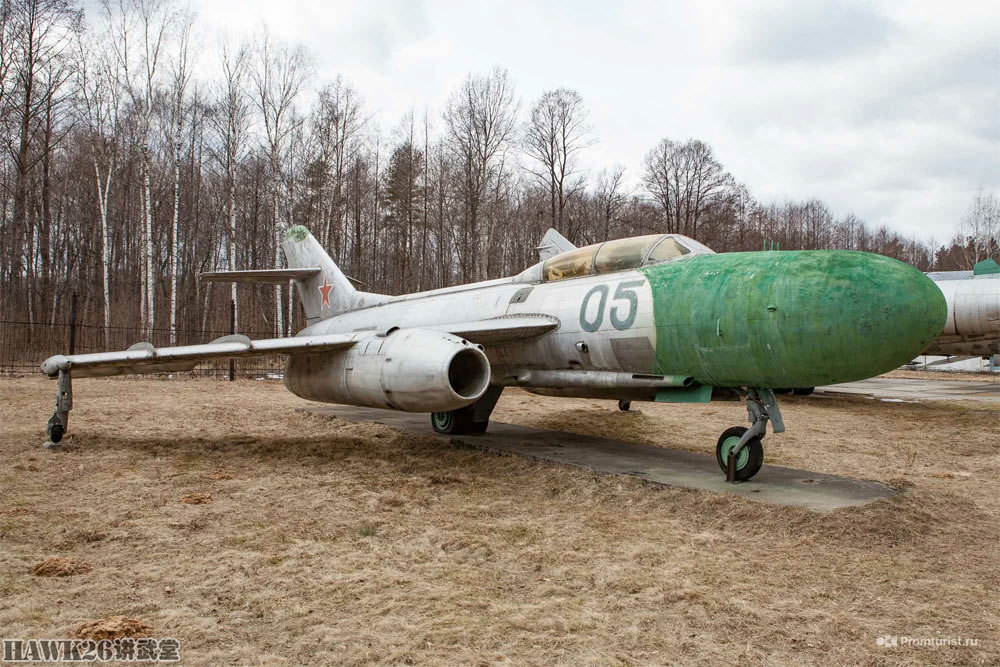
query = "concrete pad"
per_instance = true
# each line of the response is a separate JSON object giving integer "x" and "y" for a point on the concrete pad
{"x": 918, "y": 389}
{"x": 659, "y": 465}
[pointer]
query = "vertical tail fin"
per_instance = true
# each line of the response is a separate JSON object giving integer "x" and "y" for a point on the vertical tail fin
{"x": 326, "y": 293}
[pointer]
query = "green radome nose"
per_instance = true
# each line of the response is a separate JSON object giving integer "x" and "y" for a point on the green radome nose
{"x": 792, "y": 318}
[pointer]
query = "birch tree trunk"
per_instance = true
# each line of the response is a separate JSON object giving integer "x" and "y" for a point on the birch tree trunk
{"x": 102, "y": 203}
{"x": 148, "y": 239}
{"x": 173, "y": 243}
{"x": 232, "y": 249}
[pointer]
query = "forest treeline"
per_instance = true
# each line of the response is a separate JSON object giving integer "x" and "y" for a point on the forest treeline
{"x": 127, "y": 172}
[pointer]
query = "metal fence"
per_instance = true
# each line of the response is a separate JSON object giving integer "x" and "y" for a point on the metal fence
{"x": 24, "y": 345}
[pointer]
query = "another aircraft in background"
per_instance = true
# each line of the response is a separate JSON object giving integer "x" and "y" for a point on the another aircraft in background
{"x": 656, "y": 318}
{"x": 973, "y": 325}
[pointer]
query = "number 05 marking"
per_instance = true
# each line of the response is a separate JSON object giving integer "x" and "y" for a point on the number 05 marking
{"x": 625, "y": 291}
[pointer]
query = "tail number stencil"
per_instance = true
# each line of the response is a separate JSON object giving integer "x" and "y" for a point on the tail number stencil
{"x": 620, "y": 318}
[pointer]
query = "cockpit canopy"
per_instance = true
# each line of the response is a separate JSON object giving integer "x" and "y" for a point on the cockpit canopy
{"x": 620, "y": 255}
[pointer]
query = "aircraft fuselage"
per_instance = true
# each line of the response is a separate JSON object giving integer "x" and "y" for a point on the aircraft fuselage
{"x": 756, "y": 319}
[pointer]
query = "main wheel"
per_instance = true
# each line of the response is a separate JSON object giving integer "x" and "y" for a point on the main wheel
{"x": 748, "y": 461}
{"x": 457, "y": 422}
{"x": 624, "y": 405}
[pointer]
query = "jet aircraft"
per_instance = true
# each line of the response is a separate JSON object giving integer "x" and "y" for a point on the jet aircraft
{"x": 654, "y": 318}
{"x": 973, "y": 326}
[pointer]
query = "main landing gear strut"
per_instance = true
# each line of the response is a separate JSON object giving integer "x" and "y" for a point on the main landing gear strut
{"x": 64, "y": 403}
{"x": 471, "y": 419}
{"x": 739, "y": 451}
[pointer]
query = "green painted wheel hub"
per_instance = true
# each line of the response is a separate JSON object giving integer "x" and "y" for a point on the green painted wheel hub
{"x": 442, "y": 419}
{"x": 742, "y": 458}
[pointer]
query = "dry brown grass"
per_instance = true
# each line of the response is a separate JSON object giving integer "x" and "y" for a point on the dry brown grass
{"x": 329, "y": 541}
{"x": 197, "y": 498}
{"x": 60, "y": 567}
{"x": 947, "y": 376}
{"x": 113, "y": 627}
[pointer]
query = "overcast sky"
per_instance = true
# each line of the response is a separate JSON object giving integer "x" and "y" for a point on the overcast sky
{"x": 887, "y": 110}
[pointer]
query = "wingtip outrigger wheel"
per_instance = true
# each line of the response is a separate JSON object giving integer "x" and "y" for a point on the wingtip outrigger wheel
{"x": 55, "y": 429}
{"x": 59, "y": 420}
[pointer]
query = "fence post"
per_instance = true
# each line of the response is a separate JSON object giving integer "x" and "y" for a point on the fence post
{"x": 232, "y": 330}
{"x": 72, "y": 324}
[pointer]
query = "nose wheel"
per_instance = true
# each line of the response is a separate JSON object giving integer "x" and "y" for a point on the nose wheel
{"x": 740, "y": 452}
{"x": 747, "y": 462}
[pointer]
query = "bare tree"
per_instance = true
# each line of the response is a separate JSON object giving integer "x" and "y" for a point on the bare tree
{"x": 180, "y": 78}
{"x": 611, "y": 198}
{"x": 231, "y": 122}
{"x": 100, "y": 94}
{"x": 686, "y": 181}
{"x": 335, "y": 124}
{"x": 979, "y": 230}
{"x": 555, "y": 133}
{"x": 39, "y": 40}
{"x": 277, "y": 77}
{"x": 480, "y": 117}
{"x": 139, "y": 67}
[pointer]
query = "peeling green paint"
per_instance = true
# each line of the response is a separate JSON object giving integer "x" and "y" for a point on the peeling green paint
{"x": 297, "y": 233}
{"x": 792, "y": 318}
{"x": 697, "y": 394}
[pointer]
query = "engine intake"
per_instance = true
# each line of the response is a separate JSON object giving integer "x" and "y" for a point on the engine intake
{"x": 415, "y": 370}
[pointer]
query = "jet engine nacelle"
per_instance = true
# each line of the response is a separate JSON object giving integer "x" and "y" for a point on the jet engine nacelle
{"x": 416, "y": 370}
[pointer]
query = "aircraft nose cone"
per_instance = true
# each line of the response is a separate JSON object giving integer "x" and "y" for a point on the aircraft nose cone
{"x": 852, "y": 315}
{"x": 791, "y": 318}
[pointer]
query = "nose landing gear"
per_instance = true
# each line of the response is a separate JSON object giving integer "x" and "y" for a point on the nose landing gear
{"x": 739, "y": 451}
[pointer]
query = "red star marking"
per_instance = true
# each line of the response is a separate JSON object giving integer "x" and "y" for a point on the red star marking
{"x": 325, "y": 290}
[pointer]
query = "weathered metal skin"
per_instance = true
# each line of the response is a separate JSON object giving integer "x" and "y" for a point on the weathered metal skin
{"x": 791, "y": 319}
{"x": 412, "y": 370}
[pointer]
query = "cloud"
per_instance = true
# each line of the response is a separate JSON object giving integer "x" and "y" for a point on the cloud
{"x": 811, "y": 31}
{"x": 887, "y": 110}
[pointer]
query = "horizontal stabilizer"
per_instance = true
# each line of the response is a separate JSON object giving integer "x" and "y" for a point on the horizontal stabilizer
{"x": 263, "y": 276}
{"x": 501, "y": 329}
{"x": 144, "y": 358}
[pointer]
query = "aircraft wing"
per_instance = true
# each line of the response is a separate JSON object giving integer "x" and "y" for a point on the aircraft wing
{"x": 501, "y": 329}
{"x": 265, "y": 276}
{"x": 144, "y": 358}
